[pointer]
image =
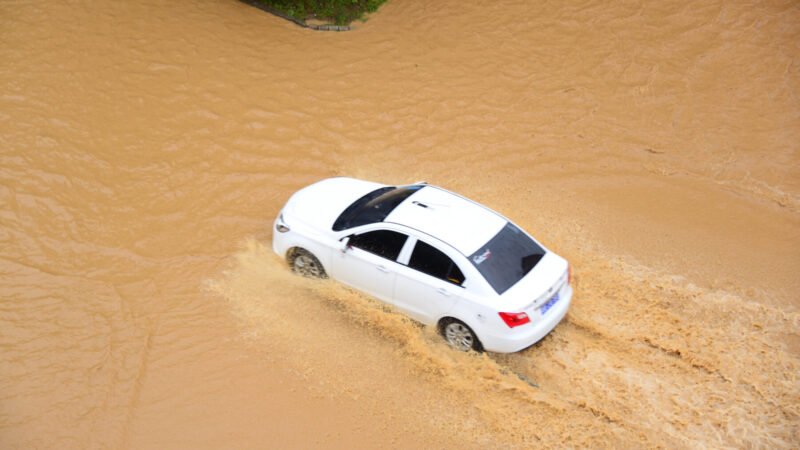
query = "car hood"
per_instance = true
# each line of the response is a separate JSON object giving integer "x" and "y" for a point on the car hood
{"x": 537, "y": 286}
{"x": 319, "y": 204}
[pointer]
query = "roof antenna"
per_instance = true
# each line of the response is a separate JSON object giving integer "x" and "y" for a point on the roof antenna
{"x": 419, "y": 204}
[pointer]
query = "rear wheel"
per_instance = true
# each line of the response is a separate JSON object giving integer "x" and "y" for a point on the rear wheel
{"x": 460, "y": 336}
{"x": 304, "y": 263}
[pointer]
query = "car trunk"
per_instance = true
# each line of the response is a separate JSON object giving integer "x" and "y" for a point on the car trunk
{"x": 537, "y": 287}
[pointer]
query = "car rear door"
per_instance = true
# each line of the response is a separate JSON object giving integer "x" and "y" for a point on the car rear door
{"x": 369, "y": 263}
{"x": 429, "y": 285}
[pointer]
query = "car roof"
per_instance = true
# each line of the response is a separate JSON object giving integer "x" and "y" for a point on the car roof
{"x": 453, "y": 219}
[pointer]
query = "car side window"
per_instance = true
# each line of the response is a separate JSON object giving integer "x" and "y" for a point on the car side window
{"x": 384, "y": 243}
{"x": 433, "y": 262}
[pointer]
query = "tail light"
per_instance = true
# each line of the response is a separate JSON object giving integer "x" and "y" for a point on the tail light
{"x": 514, "y": 319}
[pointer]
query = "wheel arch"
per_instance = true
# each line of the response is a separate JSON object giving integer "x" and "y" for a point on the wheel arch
{"x": 320, "y": 251}
{"x": 444, "y": 320}
{"x": 296, "y": 252}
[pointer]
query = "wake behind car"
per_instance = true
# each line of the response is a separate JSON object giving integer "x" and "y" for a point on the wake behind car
{"x": 436, "y": 256}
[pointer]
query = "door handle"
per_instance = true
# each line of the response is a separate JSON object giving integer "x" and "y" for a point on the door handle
{"x": 444, "y": 292}
{"x": 382, "y": 269}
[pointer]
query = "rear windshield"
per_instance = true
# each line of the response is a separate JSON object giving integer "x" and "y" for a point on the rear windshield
{"x": 374, "y": 207}
{"x": 507, "y": 257}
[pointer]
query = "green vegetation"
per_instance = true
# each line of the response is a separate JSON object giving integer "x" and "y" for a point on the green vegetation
{"x": 340, "y": 12}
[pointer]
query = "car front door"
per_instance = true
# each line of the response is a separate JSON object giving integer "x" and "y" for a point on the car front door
{"x": 429, "y": 285}
{"x": 369, "y": 262}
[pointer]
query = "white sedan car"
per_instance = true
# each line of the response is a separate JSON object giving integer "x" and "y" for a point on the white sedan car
{"x": 436, "y": 256}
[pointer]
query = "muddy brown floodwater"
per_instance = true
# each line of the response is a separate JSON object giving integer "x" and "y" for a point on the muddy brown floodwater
{"x": 145, "y": 146}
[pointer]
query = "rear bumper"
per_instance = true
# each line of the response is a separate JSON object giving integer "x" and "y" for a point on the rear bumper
{"x": 529, "y": 335}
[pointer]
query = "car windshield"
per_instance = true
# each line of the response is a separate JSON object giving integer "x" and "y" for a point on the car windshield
{"x": 507, "y": 257}
{"x": 374, "y": 207}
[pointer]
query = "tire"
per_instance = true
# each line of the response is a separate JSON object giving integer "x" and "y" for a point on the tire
{"x": 306, "y": 264}
{"x": 459, "y": 335}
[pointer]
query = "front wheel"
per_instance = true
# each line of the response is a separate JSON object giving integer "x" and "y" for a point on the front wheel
{"x": 306, "y": 264}
{"x": 459, "y": 336}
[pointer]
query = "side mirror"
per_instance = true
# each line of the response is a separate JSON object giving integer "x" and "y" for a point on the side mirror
{"x": 345, "y": 244}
